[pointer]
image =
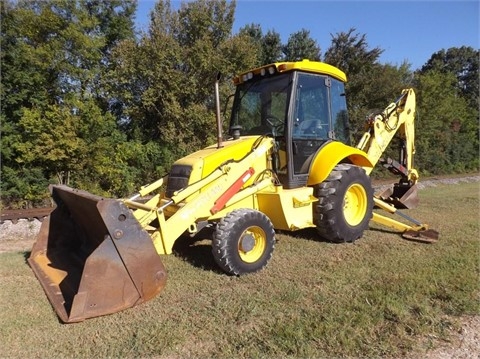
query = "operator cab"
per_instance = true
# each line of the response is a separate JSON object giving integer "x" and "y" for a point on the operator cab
{"x": 301, "y": 104}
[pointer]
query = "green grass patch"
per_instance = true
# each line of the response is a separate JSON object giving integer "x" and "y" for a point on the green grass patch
{"x": 377, "y": 297}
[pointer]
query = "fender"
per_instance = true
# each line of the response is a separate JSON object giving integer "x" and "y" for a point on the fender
{"x": 330, "y": 155}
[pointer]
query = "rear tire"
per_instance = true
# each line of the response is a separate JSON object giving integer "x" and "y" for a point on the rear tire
{"x": 243, "y": 242}
{"x": 345, "y": 204}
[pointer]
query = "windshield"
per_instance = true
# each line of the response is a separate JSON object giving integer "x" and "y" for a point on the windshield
{"x": 261, "y": 107}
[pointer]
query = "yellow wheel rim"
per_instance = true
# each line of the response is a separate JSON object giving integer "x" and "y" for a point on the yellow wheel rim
{"x": 355, "y": 204}
{"x": 252, "y": 244}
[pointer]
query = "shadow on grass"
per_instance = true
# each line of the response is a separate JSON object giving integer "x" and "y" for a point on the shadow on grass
{"x": 425, "y": 236}
{"x": 309, "y": 234}
{"x": 385, "y": 231}
{"x": 197, "y": 250}
{"x": 26, "y": 255}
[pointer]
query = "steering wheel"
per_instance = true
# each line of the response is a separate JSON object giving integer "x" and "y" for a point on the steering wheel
{"x": 275, "y": 123}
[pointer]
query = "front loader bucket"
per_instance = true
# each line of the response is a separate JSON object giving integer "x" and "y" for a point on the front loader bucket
{"x": 401, "y": 196}
{"x": 92, "y": 257}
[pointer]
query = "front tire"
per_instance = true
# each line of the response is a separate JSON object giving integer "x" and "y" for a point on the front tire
{"x": 243, "y": 242}
{"x": 345, "y": 204}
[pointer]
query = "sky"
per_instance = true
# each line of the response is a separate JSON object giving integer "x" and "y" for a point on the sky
{"x": 406, "y": 30}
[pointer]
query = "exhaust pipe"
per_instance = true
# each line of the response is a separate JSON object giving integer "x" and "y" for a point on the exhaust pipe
{"x": 218, "y": 115}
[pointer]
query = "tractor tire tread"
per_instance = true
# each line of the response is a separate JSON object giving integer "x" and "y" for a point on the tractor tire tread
{"x": 328, "y": 211}
{"x": 225, "y": 247}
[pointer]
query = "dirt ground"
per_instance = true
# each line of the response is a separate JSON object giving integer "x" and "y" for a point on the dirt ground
{"x": 463, "y": 341}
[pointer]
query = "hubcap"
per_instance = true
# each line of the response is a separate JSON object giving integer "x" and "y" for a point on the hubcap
{"x": 252, "y": 244}
{"x": 247, "y": 242}
{"x": 355, "y": 204}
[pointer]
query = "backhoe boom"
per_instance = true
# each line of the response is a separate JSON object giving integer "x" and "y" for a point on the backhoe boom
{"x": 397, "y": 119}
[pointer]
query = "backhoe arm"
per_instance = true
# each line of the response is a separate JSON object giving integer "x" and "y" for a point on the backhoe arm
{"x": 396, "y": 119}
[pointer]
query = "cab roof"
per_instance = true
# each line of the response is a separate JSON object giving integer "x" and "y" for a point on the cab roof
{"x": 280, "y": 67}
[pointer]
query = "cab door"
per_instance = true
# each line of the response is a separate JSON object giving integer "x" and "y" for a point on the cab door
{"x": 309, "y": 126}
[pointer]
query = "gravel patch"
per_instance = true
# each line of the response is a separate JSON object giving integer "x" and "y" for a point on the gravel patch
{"x": 463, "y": 343}
{"x": 19, "y": 236}
{"x": 434, "y": 182}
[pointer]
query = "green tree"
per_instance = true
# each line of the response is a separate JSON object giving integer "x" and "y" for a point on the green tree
{"x": 301, "y": 46}
{"x": 266, "y": 48}
{"x": 172, "y": 102}
{"x": 253, "y": 34}
{"x": 463, "y": 62}
{"x": 75, "y": 144}
{"x": 350, "y": 52}
{"x": 50, "y": 141}
{"x": 450, "y": 91}
{"x": 271, "y": 48}
{"x": 447, "y": 129}
{"x": 53, "y": 58}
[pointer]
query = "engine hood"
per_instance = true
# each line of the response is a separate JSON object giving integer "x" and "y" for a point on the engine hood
{"x": 203, "y": 162}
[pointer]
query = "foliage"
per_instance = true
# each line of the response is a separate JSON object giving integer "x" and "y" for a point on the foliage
{"x": 350, "y": 52}
{"x": 452, "y": 141}
{"x": 301, "y": 46}
{"x": 450, "y": 104}
{"x": 266, "y": 48}
{"x": 172, "y": 102}
{"x": 463, "y": 62}
{"x": 269, "y": 48}
{"x": 53, "y": 102}
{"x": 86, "y": 102}
{"x": 24, "y": 186}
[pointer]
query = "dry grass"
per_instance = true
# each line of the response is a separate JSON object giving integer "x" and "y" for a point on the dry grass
{"x": 377, "y": 297}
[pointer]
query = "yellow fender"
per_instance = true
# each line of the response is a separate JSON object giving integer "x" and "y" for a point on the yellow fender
{"x": 332, "y": 154}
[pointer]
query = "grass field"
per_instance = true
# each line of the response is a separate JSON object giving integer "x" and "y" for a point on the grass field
{"x": 380, "y": 296}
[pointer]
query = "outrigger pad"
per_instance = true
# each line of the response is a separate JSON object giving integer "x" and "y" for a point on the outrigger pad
{"x": 424, "y": 236}
{"x": 93, "y": 258}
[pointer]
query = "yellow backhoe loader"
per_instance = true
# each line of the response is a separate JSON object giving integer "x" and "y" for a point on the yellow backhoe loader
{"x": 287, "y": 164}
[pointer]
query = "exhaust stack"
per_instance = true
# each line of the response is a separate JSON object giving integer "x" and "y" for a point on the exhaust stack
{"x": 218, "y": 115}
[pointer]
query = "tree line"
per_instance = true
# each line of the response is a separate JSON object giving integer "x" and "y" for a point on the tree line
{"x": 89, "y": 101}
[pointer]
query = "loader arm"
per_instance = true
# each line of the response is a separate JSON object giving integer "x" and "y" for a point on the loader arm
{"x": 95, "y": 256}
{"x": 203, "y": 200}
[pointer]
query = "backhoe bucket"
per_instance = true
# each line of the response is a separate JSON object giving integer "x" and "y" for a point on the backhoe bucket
{"x": 401, "y": 196}
{"x": 93, "y": 258}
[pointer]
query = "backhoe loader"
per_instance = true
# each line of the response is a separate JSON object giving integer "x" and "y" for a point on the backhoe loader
{"x": 286, "y": 164}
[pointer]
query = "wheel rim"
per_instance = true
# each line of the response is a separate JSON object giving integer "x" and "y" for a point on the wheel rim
{"x": 252, "y": 244}
{"x": 355, "y": 204}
